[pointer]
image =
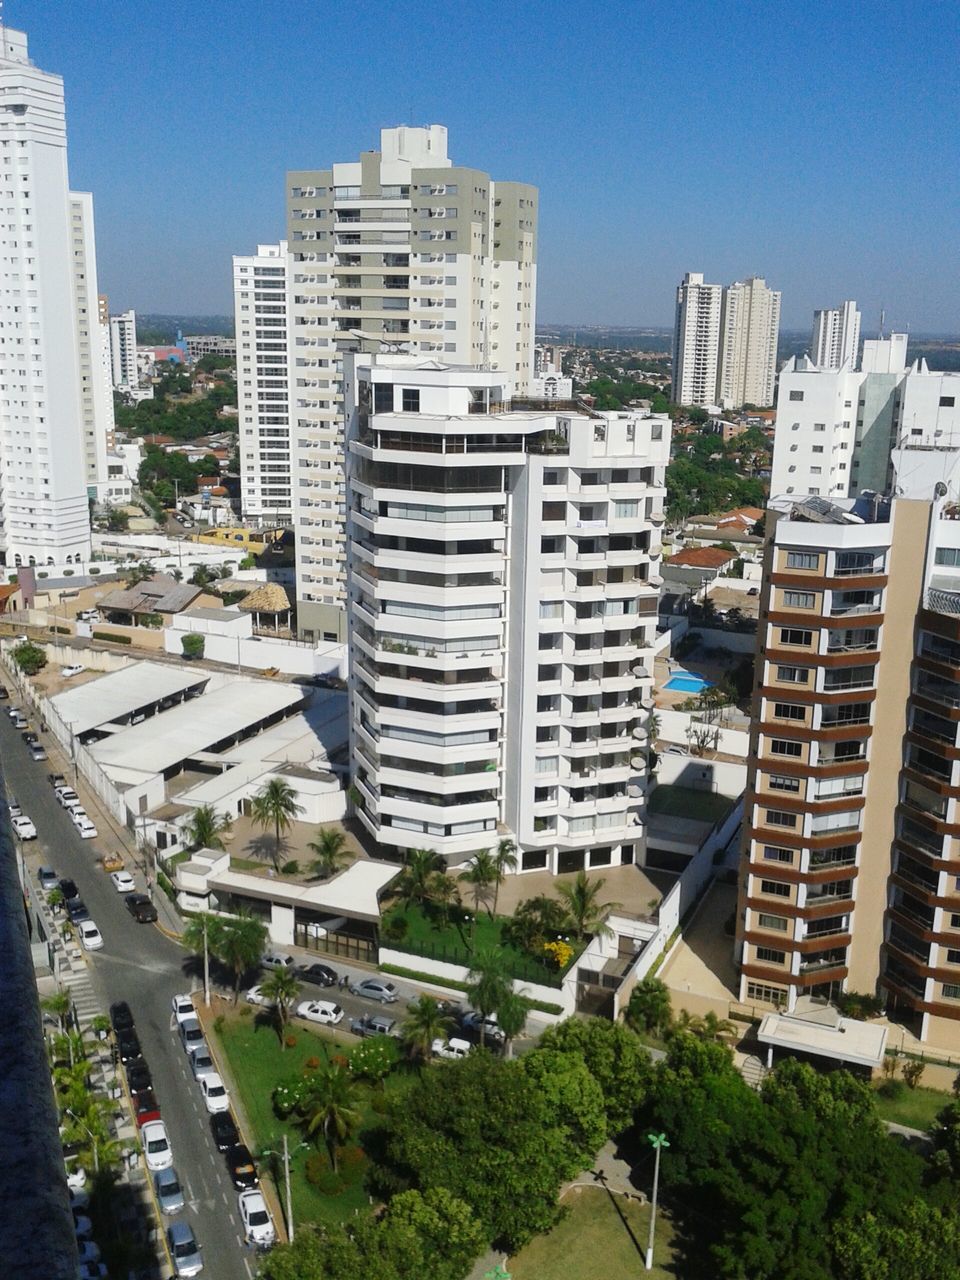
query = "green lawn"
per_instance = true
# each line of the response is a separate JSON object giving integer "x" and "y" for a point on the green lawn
{"x": 689, "y": 802}
{"x": 257, "y": 1064}
{"x": 601, "y": 1238}
{"x": 915, "y": 1108}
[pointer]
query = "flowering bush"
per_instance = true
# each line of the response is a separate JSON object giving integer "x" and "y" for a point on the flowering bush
{"x": 558, "y": 953}
{"x": 288, "y": 1096}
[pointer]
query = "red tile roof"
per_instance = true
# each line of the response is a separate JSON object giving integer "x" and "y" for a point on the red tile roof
{"x": 703, "y": 557}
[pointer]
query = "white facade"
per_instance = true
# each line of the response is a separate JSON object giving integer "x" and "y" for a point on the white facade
{"x": 123, "y": 351}
{"x": 835, "y": 342}
{"x": 696, "y": 341}
{"x": 551, "y": 386}
{"x": 96, "y": 393}
{"x": 43, "y": 461}
{"x": 400, "y": 250}
{"x": 260, "y": 305}
{"x": 749, "y": 330}
{"x": 505, "y": 571}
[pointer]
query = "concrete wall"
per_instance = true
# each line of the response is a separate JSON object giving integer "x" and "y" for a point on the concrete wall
{"x": 565, "y": 996}
{"x": 721, "y": 776}
{"x": 261, "y": 652}
{"x": 674, "y": 725}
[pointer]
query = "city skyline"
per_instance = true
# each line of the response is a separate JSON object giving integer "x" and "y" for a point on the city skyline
{"x": 694, "y": 160}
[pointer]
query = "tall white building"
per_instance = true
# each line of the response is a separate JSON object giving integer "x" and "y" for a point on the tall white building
{"x": 260, "y": 307}
{"x": 43, "y": 454}
{"x": 504, "y": 578}
{"x": 400, "y": 250}
{"x": 123, "y": 351}
{"x": 749, "y": 330}
{"x": 696, "y": 341}
{"x": 835, "y": 341}
{"x": 96, "y": 394}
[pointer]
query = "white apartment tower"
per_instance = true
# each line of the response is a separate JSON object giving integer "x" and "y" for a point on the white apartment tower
{"x": 696, "y": 341}
{"x": 97, "y": 395}
{"x": 123, "y": 350}
{"x": 835, "y": 341}
{"x": 260, "y": 308}
{"x": 749, "y": 330}
{"x": 43, "y": 455}
{"x": 504, "y": 577}
{"x": 400, "y": 250}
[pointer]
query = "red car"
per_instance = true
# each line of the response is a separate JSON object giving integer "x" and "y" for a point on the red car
{"x": 145, "y": 1107}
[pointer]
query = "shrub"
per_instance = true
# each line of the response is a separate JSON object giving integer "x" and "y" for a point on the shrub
{"x": 94, "y": 571}
{"x": 192, "y": 645}
{"x": 290, "y": 1042}
{"x": 379, "y": 1104}
{"x": 68, "y": 573}
{"x": 29, "y": 657}
{"x": 312, "y": 1064}
{"x": 892, "y": 1090}
{"x": 912, "y": 1072}
{"x": 44, "y": 574}
{"x": 218, "y": 1024}
{"x": 112, "y": 636}
{"x": 320, "y": 1175}
{"x": 290, "y": 868}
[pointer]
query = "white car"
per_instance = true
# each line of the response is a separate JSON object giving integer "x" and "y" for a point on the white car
{"x": 76, "y": 1175}
{"x": 123, "y": 881}
{"x": 255, "y": 996}
{"x": 67, "y": 797}
{"x": 90, "y": 935}
{"x": 258, "y": 1226}
{"x": 156, "y": 1146}
{"x": 24, "y": 828}
{"x": 452, "y": 1048}
{"x": 324, "y": 1011}
{"x": 278, "y": 960}
{"x": 214, "y": 1093}
{"x": 84, "y": 826}
{"x": 183, "y": 1008}
{"x": 67, "y": 672}
{"x": 15, "y": 810}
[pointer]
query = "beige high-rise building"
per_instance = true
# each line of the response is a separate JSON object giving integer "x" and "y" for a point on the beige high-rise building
{"x": 749, "y": 330}
{"x": 696, "y": 341}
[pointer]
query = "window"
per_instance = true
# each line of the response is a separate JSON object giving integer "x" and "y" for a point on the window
{"x": 795, "y": 636}
{"x": 949, "y": 556}
{"x": 794, "y": 675}
{"x": 953, "y": 957}
{"x": 780, "y": 818}
{"x": 803, "y": 560}
{"x": 799, "y": 599}
{"x": 789, "y": 711}
{"x": 780, "y": 923}
{"x": 625, "y": 510}
{"x": 947, "y": 402}
{"x": 775, "y": 888}
{"x": 765, "y": 995}
{"x": 770, "y": 956}
{"x": 382, "y": 397}
{"x": 773, "y": 853}
{"x": 410, "y": 399}
{"x": 785, "y": 747}
{"x": 796, "y": 396}
{"x": 780, "y": 782}
{"x": 551, "y": 609}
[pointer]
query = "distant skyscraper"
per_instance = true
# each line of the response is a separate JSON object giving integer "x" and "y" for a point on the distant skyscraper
{"x": 836, "y": 337}
{"x": 96, "y": 393}
{"x": 44, "y": 455}
{"x": 749, "y": 329}
{"x": 123, "y": 350}
{"x": 696, "y": 341}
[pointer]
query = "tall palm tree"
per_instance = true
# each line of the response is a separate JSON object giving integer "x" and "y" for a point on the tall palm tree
{"x": 331, "y": 1108}
{"x": 481, "y": 875}
{"x": 714, "y": 1028}
{"x": 585, "y": 913}
{"x": 423, "y": 1024}
{"x": 61, "y": 1006}
{"x": 206, "y": 828}
{"x": 414, "y": 883}
{"x": 332, "y": 854}
{"x": 282, "y": 987}
{"x": 488, "y": 985}
{"x": 443, "y": 894}
{"x": 238, "y": 943}
{"x": 275, "y": 805}
{"x": 505, "y": 859}
{"x": 511, "y": 1019}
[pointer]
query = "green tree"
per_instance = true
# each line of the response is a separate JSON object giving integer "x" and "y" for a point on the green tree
{"x": 60, "y": 1005}
{"x": 192, "y": 644}
{"x": 648, "y": 1008}
{"x": 331, "y": 1109}
{"x": 511, "y": 1019}
{"x": 206, "y": 828}
{"x": 585, "y": 912}
{"x": 488, "y": 984}
{"x": 283, "y": 988}
{"x": 424, "y": 1023}
{"x": 238, "y": 942}
{"x": 575, "y": 1100}
{"x": 505, "y": 861}
{"x": 481, "y": 875}
{"x": 614, "y": 1057}
{"x": 29, "y": 657}
{"x": 332, "y": 853}
{"x": 275, "y": 805}
{"x": 923, "y": 1244}
{"x": 374, "y": 1058}
{"x": 444, "y": 893}
{"x": 118, "y": 520}
{"x": 412, "y": 886}
{"x": 444, "y": 1232}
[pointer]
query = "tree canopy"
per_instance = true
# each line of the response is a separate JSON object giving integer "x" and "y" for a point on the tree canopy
{"x": 614, "y": 1057}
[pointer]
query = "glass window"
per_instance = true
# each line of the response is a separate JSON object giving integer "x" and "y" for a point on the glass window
{"x": 780, "y": 923}
{"x": 780, "y": 782}
{"x": 383, "y": 397}
{"x": 780, "y": 818}
{"x": 773, "y": 853}
{"x": 411, "y": 399}
{"x": 770, "y": 956}
{"x": 788, "y": 711}
{"x": 796, "y": 395}
{"x": 794, "y": 675}
{"x": 776, "y": 888}
{"x": 948, "y": 556}
{"x": 785, "y": 747}
{"x": 795, "y": 636}
{"x": 625, "y": 510}
{"x": 803, "y": 560}
{"x": 799, "y": 599}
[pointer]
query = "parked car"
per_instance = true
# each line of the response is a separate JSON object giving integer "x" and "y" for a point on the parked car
{"x": 322, "y": 1011}
{"x": 128, "y": 1047}
{"x": 48, "y": 879}
{"x": 92, "y": 1270}
{"x": 201, "y": 1064}
{"x": 30, "y": 737}
{"x": 191, "y": 1034}
{"x": 452, "y": 1048}
{"x": 14, "y": 806}
{"x": 319, "y": 974}
{"x": 258, "y": 1226}
{"x": 4, "y": 693}
{"x": 67, "y": 672}
{"x": 138, "y": 1075}
{"x": 77, "y": 910}
{"x": 90, "y": 935}
{"x": 56, "y": 780}
{"x": 84, "y": 826}
{"x": 156, "y": 1146}
{"x": 88, "y": 1252}
{"x": 76, "y": 1174}
{"x": 169, "y": 1192}
{"x": 243, "y": 1170}
{"x": 278, "y": 960}
{"x": 376, "y": 989}
{"x": 68, "y": 888}
{"x": 37, "y": 754}
{"x": 373, "y": 1024}
{"x": 123, "y": 881}
{"x": 24, "y": 828}
{"x": 66, "y": 796}
{"x": 14, "y": 711}
{"x": 121, "y": 1017}
{"x": 485, "y": 1027}
{"x": 183, "y": 1008}
{"x": 255, "y": 996}
{"x": 20, "y": 720}
{"x": 82, "y": 1225}
{"x": 145, "y": 1107}
{"x": 184, "y": 1250}
{"x": 224, "y": 1130}
{"x": 214, "y": 1093}
{"x": 141, "y": 908}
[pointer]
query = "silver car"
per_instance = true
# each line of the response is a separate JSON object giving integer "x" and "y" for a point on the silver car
{"x": 201, "y": 1064}
{"x": 376, "y": 989}
{"x": 169, "y": 1192}
{"x": 184, "y": 1250}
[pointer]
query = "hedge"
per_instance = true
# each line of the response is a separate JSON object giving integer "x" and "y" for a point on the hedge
{"x": 543, "y": 1006}
{"x": 109, "y": 635}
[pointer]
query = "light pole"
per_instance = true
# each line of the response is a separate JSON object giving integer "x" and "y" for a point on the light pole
{"x": 93, "y": 1141}
{"x": 286, "y": 1178}
{"x": 657, "y": 1141}
{"x": 206, "y": 964}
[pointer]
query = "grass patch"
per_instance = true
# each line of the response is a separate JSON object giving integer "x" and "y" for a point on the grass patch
{"x": 258, "y": 1064}
{"x": 544, "y": 1006}
{"x": 688, "y": 802}
{"x": 601, "y": 1236}
{"x": 914, "y": 1108}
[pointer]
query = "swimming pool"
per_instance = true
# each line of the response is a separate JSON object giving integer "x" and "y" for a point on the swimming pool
{"x": 687, "y": 682}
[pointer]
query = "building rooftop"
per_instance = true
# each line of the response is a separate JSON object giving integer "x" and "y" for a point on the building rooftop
{"x": 842, "y": 1039}
{"x": 160, "y": 594}
{"x": 702, "y": 557}
{"x": 118, "y": 694}
{"x": 355, "y": 892}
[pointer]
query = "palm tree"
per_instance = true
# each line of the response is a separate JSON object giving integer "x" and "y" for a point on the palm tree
{"x": 443, "y": 893}
{"x": 331, "y": 851}
{"x": 283, "y": 988}
{"x": 511, "y": 1019}
{"x": 206, "y": 828}
{"x": 505, "y": 859}
{"x": 61, "y": 1006}
{"x": 423, "y": 1024}
{"x": 238, "y": 942}
{"x": 714, "y": 1028}
{"x": 481, "y": 875}
{"x": 488, "y": 985}
{"x": 414, "y": 883}
{"x": 331, "y": 1108}
{"x": 275, "y": 805}
{"x": 585, "y": 913}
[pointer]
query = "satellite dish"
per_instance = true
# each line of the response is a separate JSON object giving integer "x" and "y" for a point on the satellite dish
{"x": 939, "y": 489}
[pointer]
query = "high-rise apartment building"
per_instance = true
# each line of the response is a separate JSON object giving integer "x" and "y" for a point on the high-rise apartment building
{"x": 749, "y": 330}
{"x": 400, "y": 250}
{"x": 123, "y": 350}
{"x": 504, "y": 575}
{"x": 260, "y": 308}
{"x": 96, "y": 395}
{"x": 696, "y": 341}
{"x": 835, "y": 342}
{"x": 43, "y": 450}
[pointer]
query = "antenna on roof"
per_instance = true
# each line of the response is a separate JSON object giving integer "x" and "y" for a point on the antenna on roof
{"x": 883, "y": 314}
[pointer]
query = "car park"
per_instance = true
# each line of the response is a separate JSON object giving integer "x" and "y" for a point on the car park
{"x": 23, "y": 828}
{"x": 183, "y": 1008}
{"x": 258, "y": 1226}
{"x": 145, "y": 1107}
{"x": 169, "y": 1192}
{"x": 121, "y": 1017}
{"x": 319, "y": 974}
{"x": 123, "y": 881}
{"x": 90, "y": 935}
{"x": 452, "y": 1048}
{"x": 323, "y": 1011}
{"x": 278, "y": 960}
{"x": 37, "y": 754}
{"x": 201, "y": 1064}
{"x": 373, "y": 1024}
{"x": 77, "y": 910}
{"x": 184, "y": 1250}
{"x": 376, "y": 989}
{"x": 191, "y": 1034}
{"x": 224, "y": 1130}
{"x": 48, "y": 879}
{"x": 156, "y": 1146}
{"x": 128, "y": 1046}
{"x": 241, "y": 1166}
{"x": 214, "y": 1093}
{"x": 141, "y": 908}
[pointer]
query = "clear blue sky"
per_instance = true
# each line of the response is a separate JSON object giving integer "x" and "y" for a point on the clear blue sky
{"x": 812, "y": 144}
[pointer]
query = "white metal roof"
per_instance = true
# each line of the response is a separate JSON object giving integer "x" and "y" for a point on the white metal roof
{"x": 320, "y": 729}
{"x": 353, "y": 893}
{"x": 860, "y": 1043}
{"x": 119, "y": 693}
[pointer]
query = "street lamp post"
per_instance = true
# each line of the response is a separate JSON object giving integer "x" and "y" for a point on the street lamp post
{"x": 93, "y": 1141}
{"x": 285, "y": 1153}
{"x": 657, "y": 1141}
{"x": 206, "y": 964}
